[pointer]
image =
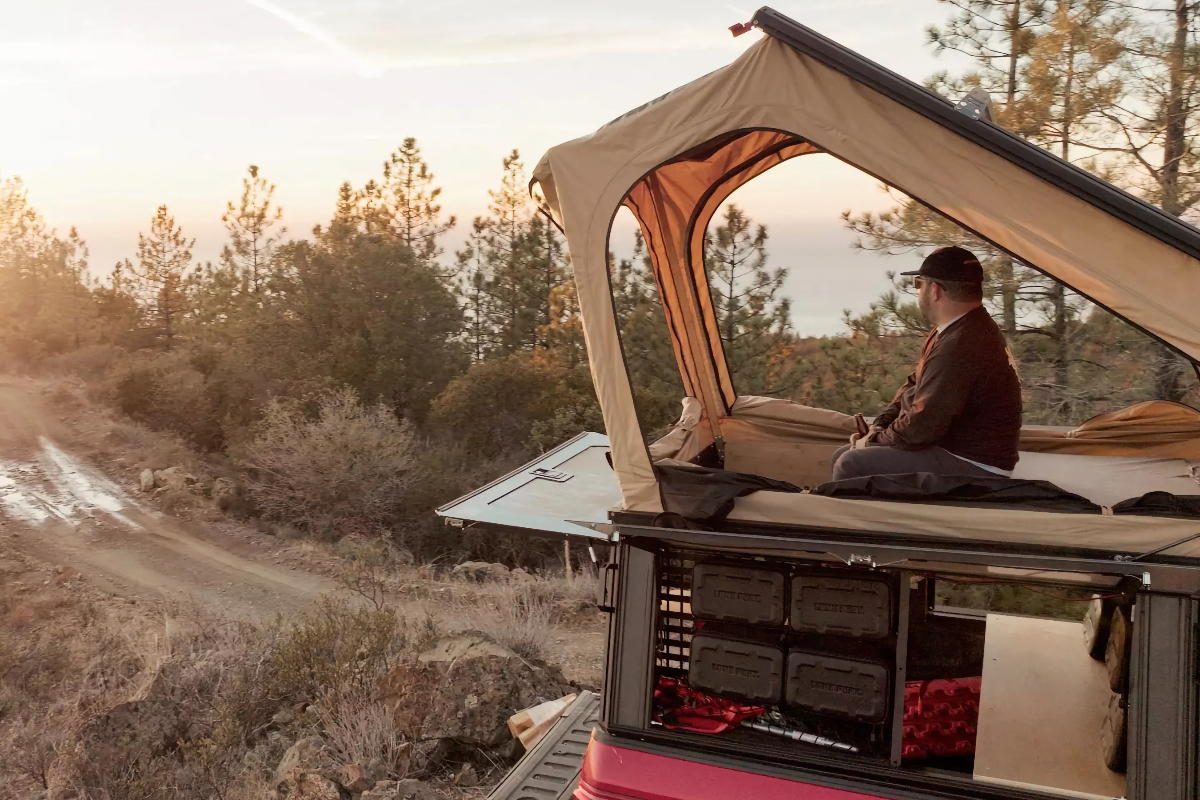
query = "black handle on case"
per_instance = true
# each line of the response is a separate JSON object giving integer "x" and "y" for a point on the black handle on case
{"x": 606, "y": 602}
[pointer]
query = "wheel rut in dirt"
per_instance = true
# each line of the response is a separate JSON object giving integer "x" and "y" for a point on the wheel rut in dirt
{"x": 59, "y": 509}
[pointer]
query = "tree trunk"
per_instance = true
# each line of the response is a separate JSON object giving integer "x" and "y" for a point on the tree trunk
{"x": 1014, "y": 29}
{"x": 1062, "y": 377}
{"x": 1175, "y": 138}
{"x": 1169, "y": 383}
{"x": 1008, "y": 296}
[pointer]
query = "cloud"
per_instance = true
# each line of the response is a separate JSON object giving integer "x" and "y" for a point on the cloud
{"x": 364, "y": 67}
{"x": 507, "y": 48}
{"x": 397, "y": 34}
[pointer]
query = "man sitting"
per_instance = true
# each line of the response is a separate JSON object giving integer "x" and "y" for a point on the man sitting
{"x": 960, "y": 412}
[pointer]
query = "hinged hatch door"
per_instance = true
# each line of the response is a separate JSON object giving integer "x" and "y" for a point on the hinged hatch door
{"x": 565, "y": 491}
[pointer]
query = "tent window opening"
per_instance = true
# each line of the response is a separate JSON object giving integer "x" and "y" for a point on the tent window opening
{"x": 749, "y": 316}
{"x": 643, "y": 327}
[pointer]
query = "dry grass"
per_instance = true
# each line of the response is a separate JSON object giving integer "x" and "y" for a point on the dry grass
{"x": 517, "y": 616}
{"x": 525, "y": 615}
{"x": 62, "y": 663}
{"x": 362, "y": 731}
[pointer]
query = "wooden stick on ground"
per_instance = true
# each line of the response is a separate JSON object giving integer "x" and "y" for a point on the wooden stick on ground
{"x": 542, "y": 718}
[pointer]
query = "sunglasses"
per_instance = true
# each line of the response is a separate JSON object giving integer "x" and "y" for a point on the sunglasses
{"x": 921, "y": 280}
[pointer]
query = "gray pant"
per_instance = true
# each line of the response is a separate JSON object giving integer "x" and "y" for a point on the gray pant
{"x": 851, "y": 463}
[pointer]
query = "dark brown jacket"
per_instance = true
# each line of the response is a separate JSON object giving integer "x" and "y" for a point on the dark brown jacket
{"x": 964, "y": 397}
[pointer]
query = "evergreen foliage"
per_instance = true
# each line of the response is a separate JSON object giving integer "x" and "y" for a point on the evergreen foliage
{"x": 479, "y": 359}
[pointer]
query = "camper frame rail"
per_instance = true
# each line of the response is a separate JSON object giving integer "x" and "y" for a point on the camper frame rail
{"x": 974, "y": 557}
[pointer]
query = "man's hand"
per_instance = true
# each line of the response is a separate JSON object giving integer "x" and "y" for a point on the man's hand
{"x": 860, "y": 441}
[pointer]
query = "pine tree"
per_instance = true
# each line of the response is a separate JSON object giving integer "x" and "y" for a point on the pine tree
{"x": 79, "y": 299}
{"x": 163, "y": 257}
{"x": 252, "y": 243}
{"x": 473, "y": 289}
{"x": 999, "y": 36}
{"x": 117, "y": 307}
{"x": 547, "y": 282}
{"x": 1072, "y": 74}
{"x": 649, "y": 355}
{"x": 513, "y": 321}
{"x": 411, "y": 199}
{"x": 753, "y": 318}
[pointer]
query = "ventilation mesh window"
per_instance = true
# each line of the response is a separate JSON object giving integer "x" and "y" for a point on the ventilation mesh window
{"x": 675, "y": 621}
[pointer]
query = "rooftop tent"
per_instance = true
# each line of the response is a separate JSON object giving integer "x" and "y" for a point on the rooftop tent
{"x": 674, "y": 161}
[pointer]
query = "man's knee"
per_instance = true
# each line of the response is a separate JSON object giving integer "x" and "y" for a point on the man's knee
{"x": 854, "y": 464}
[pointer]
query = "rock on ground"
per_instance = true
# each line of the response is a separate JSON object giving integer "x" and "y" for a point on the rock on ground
{"x": 466, "y": 645}
{"x": 173, "y": 478}
{"x": 468, "y": 699}
{"x": 147, "y": 480}
{"x": 224, "y": 493}
{"x": 354, "y": 778}
{"x": 307, "y": 756}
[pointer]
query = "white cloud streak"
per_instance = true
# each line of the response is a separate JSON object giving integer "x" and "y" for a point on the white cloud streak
{"x": 364, "y": 66}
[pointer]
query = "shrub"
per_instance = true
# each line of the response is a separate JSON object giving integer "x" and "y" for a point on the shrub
{"x": 91, "y": 363}
{"x": 165, "y": 392}
{"x": 158, "y": 450}
{"x": 494, "y": 406}
{"x": 349, "y": 469}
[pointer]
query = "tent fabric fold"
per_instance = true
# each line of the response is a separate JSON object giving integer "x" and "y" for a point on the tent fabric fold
{"x": 1153, "y": 428}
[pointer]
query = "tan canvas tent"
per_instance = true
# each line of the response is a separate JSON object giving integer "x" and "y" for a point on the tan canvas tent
{"x": 674, "y": 161}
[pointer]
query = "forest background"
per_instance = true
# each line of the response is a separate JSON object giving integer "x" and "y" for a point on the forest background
{"x": 366, "y": 350}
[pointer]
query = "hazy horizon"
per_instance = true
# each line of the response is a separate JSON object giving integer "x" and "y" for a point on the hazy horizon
{"x": 128, "y": 106}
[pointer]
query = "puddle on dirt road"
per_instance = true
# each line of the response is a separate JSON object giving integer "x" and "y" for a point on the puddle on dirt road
{"x": 57, "y": 485}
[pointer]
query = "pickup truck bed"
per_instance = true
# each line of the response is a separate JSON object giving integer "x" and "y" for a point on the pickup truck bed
{"x": 550, "y": 771}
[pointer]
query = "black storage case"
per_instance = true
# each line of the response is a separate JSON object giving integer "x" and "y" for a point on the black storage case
{"x": 736, "y": 669}
{"x": 739, "y": 593}
{"x": 855, "y": 605}
{"x": 822, "y": 683}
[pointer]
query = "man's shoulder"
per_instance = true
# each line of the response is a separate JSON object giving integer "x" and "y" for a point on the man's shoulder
{"x": 974, "y": 331}
{"x": 974, "y": 325}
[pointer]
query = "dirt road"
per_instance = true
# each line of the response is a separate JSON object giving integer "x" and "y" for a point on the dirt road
{"x": 58, "y": 509}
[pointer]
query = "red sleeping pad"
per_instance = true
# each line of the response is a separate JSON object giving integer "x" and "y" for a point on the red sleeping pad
{"x": 940, "y": 718}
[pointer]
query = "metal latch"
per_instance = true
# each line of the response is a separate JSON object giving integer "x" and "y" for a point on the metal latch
{"x": 550, "y": 474}
{"x": 977, "y": 104}
{"x": 608, "y": 601}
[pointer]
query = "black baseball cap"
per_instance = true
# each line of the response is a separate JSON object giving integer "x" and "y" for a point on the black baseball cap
{"x": 950, "y": 264}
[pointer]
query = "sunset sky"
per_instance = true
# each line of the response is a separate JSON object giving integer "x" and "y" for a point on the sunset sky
{"x": 109, "y": 108}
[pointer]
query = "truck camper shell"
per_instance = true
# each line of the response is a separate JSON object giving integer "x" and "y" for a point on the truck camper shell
{"x": 1108, "y": 507}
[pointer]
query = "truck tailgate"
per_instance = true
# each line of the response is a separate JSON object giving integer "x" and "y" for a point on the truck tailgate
{"x": 550, "y": 771}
